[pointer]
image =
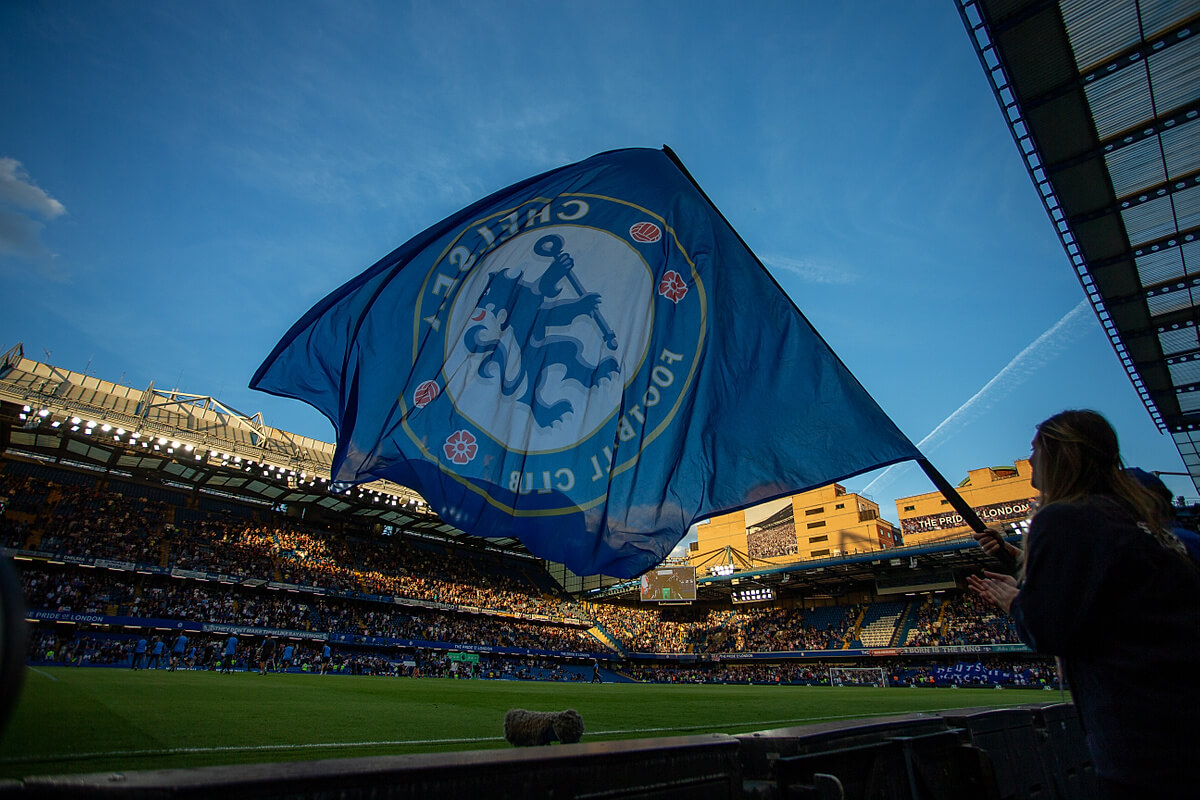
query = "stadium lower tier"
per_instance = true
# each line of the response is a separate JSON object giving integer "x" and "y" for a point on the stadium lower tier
{"x": 96, "y": 617}
{"x": 100, "y": 646}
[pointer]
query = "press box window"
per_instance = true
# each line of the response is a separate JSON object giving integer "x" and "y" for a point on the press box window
{"x": 810, "y": 512}
{"x": 815, "y": 539}
{"x": 820, "y": 524}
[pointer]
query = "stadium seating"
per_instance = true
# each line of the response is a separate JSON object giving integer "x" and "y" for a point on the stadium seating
{"x": 879, "y": 624}
{"x": 209, "y": 562}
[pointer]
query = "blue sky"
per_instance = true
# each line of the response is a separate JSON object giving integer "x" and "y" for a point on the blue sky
{"x": 180, "y": 182}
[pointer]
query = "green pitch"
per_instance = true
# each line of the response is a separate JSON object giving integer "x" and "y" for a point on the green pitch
{"x": 90, "y": 720}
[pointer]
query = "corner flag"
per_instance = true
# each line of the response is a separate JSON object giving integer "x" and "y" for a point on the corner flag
{"x": 590, "y": 361}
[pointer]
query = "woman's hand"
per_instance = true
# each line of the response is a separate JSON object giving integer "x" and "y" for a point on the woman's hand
{"x": 998, "y": 589}
{"x": 992, "y": 542}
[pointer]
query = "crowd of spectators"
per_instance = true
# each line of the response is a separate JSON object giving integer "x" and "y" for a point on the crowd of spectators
{"x": 673, "y": 629}
{"x": 667, "y": 629}
{"x": 782, "y": 630}
{"x": 960, "y": 620}
{"x": 153, "y": 597}
{"x": 85, "y": 521}
{"x": 82, "y": 520}
{"x": 1027, "y": 672}
{"x": 772, "y": 541}
{"x": 232, "y": 548}
{"x": 80, "y": 651}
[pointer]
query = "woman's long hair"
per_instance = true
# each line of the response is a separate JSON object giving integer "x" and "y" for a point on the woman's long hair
{"x": 1080, "y": 458}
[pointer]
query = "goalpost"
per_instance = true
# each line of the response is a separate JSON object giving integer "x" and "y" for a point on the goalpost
{"x": 858, "y": 676}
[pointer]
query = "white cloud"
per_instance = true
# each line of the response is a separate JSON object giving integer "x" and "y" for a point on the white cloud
{"x": 20, "y": 230}
{"x": 682, "y": 549}
{"x": 811, "y": 270}
{"x": 17, "y": 190}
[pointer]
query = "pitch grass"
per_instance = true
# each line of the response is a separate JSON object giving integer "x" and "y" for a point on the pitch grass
{"x": 92, "y": 720}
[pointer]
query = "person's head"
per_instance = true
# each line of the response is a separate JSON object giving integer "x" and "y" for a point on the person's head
{"x": 1076, "y": 455}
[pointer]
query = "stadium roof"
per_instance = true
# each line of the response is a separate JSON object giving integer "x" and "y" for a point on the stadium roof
{"x": 191, "y": 442}
{"x": 1103, "y": 100}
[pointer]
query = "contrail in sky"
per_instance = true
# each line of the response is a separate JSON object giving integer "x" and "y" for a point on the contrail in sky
{"x": 1024, "y": 364}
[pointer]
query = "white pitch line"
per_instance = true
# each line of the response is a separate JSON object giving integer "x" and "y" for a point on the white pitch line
{"x": 43, "y": 674}
{"x": 173, "y": 751}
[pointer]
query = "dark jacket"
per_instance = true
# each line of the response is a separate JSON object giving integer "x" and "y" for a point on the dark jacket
{"x": 1123, "y": 613}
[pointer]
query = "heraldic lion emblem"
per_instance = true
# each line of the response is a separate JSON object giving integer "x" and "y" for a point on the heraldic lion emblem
{"x": 529, "y": 309}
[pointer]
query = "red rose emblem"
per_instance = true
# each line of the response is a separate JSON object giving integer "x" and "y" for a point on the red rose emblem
{"x": 426, "y": 393}
{"x": 672, "y": 286}
{"x": 460, "y": 447}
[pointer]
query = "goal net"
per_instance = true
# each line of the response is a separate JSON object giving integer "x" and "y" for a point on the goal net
{"x": 858, "y": 676}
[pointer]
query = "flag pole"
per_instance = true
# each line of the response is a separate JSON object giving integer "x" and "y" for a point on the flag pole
{"x": 960, "y": 505}
{"x": 950, "y": 493}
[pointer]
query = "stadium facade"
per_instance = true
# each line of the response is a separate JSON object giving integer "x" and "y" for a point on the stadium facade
{"x": 821, "y": 523}
{"x": 1001, "y": 496}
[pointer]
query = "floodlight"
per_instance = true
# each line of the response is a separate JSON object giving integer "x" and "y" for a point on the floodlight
{"x": 55, "y": 424}
{"x": 174, "y": 444}
{"x": 27, "y": 409}
{"x": 45, "y": 412}
{"x": 135, "y": 435}
{"x": 189, "y": 448}
{"x": 74, "y": 427}
{"x": 161, "y": 440}
{"x": 106, "y": 427}
{"x": 75, "y": 420}
{"x": 120, "y": 431}
{"x": 21, "y": 415}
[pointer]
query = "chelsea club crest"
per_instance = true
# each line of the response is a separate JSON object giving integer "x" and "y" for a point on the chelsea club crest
{"x": 555, "y": 342}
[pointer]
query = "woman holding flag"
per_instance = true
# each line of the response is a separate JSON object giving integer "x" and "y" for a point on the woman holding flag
{"x": 1110, "y": 590}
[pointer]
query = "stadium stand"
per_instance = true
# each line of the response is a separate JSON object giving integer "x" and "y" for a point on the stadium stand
{"x": 126, "y": 560}
{"x": 879, "y": 625}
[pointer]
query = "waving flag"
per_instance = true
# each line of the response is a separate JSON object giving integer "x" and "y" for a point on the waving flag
{"x": 590, "y": 361}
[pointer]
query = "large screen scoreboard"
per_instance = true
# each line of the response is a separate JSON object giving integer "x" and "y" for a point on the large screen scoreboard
{"x": 675, "y": 584}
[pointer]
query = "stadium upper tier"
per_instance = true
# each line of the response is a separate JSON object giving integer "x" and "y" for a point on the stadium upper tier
{"x": 190, "y": 441}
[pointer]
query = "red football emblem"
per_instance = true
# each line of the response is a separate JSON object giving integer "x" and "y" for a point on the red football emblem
{"x": 645, "y": 232}
{"x": 425, "y": 393}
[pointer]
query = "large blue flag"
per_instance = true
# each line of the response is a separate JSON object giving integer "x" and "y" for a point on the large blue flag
{"x": 590, "y": 361}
